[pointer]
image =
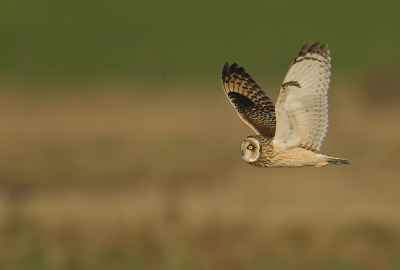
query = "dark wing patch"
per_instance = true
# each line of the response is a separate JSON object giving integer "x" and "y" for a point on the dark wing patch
{"x": 291, "y": 83}
{"x": 240, "y": 100}
{"x": 252, "y": 104}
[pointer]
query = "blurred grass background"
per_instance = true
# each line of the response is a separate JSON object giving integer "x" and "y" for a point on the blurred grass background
{"x": 119, "y": 149}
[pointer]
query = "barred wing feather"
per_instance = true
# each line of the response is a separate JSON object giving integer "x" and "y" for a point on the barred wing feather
{"x": 252, "y": 104}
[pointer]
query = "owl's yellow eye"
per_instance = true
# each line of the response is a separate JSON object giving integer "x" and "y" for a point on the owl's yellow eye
{"x": 250, "y": 147}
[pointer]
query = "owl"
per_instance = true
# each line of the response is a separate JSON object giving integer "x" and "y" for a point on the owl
{"x": 289, "y": 134}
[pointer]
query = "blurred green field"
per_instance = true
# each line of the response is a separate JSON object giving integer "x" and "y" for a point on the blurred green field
{"x": 119, "y": 149}
{"x": 169, "y": 41}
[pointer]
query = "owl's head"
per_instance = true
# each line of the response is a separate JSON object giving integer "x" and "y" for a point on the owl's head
{"x": 251, "y": 149}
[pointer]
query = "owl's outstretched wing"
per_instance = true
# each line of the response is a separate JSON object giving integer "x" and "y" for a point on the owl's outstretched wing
{"x": 302, "y": 106}
{"x": 252, "y": 104}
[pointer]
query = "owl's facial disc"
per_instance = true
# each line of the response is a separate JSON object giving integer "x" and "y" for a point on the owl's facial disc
{"x": 250, "y": 149}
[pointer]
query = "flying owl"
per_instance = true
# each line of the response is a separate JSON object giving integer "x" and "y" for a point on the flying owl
{"x": 289, "y": 134}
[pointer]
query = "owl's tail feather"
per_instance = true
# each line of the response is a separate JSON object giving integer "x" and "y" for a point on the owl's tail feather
{"x": 338, "y": 161}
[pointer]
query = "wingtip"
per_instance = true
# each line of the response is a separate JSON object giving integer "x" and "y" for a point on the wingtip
{"x": 225, "y": 70}
{"x": 324, "y": 50}
{"x": 315, "y": 48}
{"x": 229, "y": 69}
{"x": 304, "y": 50}
{"x": 227, "y": 65}
{"x": 305, "y": 47}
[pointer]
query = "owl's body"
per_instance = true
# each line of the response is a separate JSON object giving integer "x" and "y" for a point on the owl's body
{"x": 290, "y": 134}
{"x": 275, "y": 156}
